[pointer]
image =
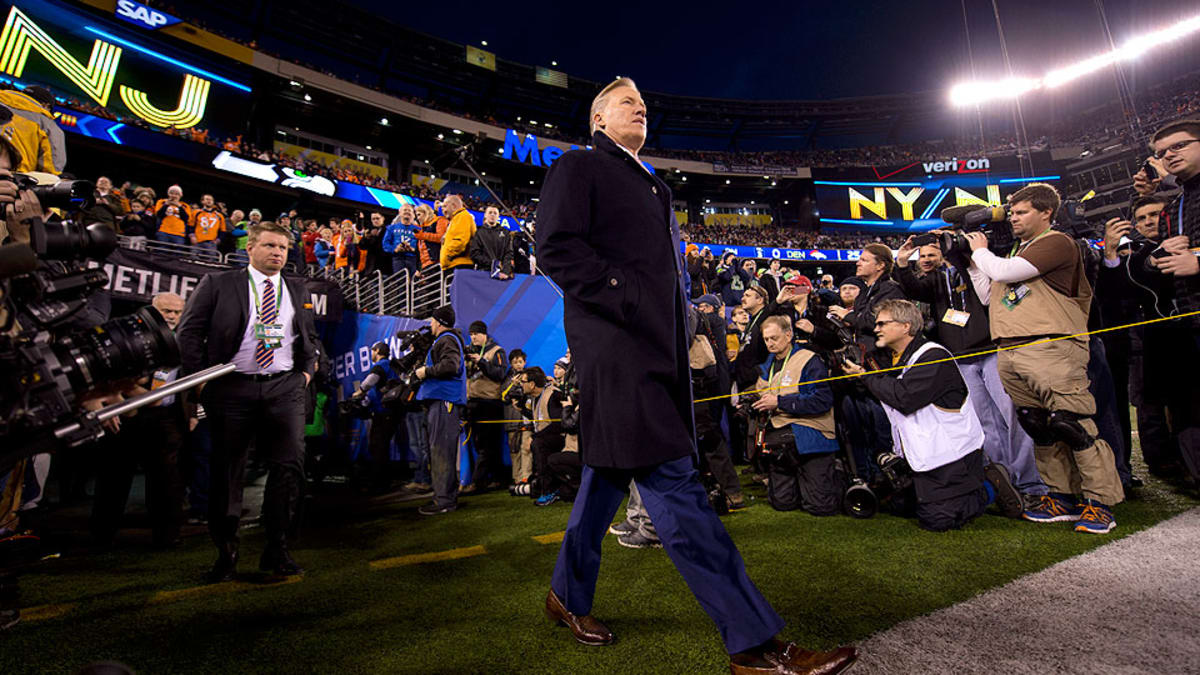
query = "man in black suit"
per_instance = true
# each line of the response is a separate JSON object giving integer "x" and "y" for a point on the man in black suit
{"x": 262, "y": 323}
{"x": 607, "y": 235}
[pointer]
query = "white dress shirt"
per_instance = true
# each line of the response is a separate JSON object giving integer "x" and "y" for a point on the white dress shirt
{"x": 244, "y": 359}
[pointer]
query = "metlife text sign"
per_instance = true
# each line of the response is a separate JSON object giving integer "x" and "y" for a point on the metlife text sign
{"x": 525, "y": 149}
{"x": 141, "y": 15}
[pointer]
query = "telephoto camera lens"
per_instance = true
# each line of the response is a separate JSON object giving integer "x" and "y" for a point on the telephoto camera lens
{"x": 71, "y": 241}
{"x": 860, "y": 501}
{"x": 125, "y": 347}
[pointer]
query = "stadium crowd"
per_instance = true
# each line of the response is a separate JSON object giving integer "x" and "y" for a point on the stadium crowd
{"x": 1047, "y": 436}
{"x": 819, "y": 447}
{"x": 782, "y": 236}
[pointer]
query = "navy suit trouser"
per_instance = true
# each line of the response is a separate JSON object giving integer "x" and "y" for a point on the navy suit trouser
{"x": 692, "y": 535}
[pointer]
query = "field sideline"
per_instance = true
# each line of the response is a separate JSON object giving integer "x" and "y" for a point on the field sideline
{"x": 390, "y": 591}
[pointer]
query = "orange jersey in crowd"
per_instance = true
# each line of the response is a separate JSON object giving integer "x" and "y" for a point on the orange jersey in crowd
{"x": 172, "y": 218}
{"x": 207, "y": 225}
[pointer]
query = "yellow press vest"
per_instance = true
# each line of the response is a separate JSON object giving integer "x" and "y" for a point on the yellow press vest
{"x": 480, "y": 386}
{"x": 786, "y": 378}
{"x": 1043, "y": 310}
{"x": 541, "y": 409}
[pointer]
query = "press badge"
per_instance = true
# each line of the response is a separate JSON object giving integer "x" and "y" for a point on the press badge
{"x": 786, "y": 381}
{"x": 956, "y": 317}
{"x": 1015, "y": 295}
{"x": 271, "y": 334}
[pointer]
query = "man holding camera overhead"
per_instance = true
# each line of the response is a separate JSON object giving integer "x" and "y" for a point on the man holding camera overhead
{"x": 1038, "y": 299}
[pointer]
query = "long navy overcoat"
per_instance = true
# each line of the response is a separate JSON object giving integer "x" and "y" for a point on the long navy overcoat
{"x": 606, "y": 234}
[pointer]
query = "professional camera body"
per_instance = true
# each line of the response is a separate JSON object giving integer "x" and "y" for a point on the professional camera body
{"x": 992, "y": 221}
{"x": 401, "y": 394}
{"x": 49, "y": 359}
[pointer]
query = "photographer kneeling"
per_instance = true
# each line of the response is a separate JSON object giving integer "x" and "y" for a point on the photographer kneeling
{"x": 934, "y": 427}
{"x": 799, "y": 441}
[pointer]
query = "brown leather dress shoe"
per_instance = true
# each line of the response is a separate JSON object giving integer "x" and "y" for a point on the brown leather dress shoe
{"x": 789, "y": 659}
{"x": 587, "y": 629}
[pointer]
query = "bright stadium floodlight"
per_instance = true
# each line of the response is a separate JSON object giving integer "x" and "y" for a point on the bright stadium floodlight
{"x": 975, "y": 93}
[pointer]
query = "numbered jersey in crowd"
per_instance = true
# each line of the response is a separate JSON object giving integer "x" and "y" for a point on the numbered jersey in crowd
{"x": 173, "y": 218}
{"x": 207, "y": 225}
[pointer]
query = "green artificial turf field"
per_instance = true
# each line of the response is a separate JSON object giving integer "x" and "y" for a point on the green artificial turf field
{"x": 835, "y": 580}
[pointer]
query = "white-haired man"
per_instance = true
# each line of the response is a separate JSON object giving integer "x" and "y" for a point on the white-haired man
{"x": 625, "y": 320}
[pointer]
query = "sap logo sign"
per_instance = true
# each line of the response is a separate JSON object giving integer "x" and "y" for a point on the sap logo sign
{"x": 525, "y": 149}
{"x": 136, "y": 12}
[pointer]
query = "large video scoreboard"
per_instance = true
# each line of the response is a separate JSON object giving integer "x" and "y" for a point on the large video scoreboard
{"x": 908, "y": 198}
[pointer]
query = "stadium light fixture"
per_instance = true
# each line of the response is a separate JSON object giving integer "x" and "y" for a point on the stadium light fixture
{"x": 368, "y": 147}
{"x": 308, "y": 98}
{"x": 457, "y": 132}
{"x": 975, "y": 93}
{"x": 383, "y": 121}
{"x": 685, "y": 179}
{"x": 483, "y": 42}
{"x": 727, "y": 181}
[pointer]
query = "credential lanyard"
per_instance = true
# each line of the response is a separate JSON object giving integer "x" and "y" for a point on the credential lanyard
{"x": 771, "y": 373}
{"x": 962, "y": 295}
{"x": 258, "y": 302}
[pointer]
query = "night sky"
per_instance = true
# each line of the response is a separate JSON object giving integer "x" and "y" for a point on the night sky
{"x": 804, "y": 49}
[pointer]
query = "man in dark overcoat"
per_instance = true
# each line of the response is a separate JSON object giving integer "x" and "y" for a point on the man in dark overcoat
{"x": 606, "y": 234}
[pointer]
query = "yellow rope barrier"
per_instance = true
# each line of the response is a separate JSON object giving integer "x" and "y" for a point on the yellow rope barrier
{"x": 915, "y": 365}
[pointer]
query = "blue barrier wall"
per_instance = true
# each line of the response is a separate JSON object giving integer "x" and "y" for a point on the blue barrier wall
{"x": 525, "y": 313}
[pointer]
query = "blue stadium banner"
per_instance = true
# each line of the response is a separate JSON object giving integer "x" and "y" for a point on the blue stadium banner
{"x": 350, "y": 351}
{"x": 768, "y": 252}
{"x": 526, "y": 312}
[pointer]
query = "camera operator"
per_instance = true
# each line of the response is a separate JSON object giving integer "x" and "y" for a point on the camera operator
{"x": 486, "y": 367}
{"x": 874, "y": 267}
{"x": 864, "y": 420}
{"x": 519, "y": 427}
{"x": 547, "y": 412}
{"x": 1040, "y": 291}
{"x": 800, "y": 437}
{"x": 1154, "y": 387}
{"x": 935, "y": 431}
{"x": 962, "y": 328}
{"x": 1177, "y": 146}
{"x": 384, "y": 422}
{"x": 444, "y": 393}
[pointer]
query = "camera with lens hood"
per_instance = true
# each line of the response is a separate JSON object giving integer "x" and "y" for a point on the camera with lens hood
{"x": 50, "y": 359}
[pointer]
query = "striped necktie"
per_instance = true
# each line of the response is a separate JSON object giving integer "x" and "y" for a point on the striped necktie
{"x": 267, "y": 314}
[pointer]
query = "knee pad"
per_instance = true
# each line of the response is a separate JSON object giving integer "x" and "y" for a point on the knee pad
{"x": 1036, "y": 423}
{"x": 1065, "y": 427}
